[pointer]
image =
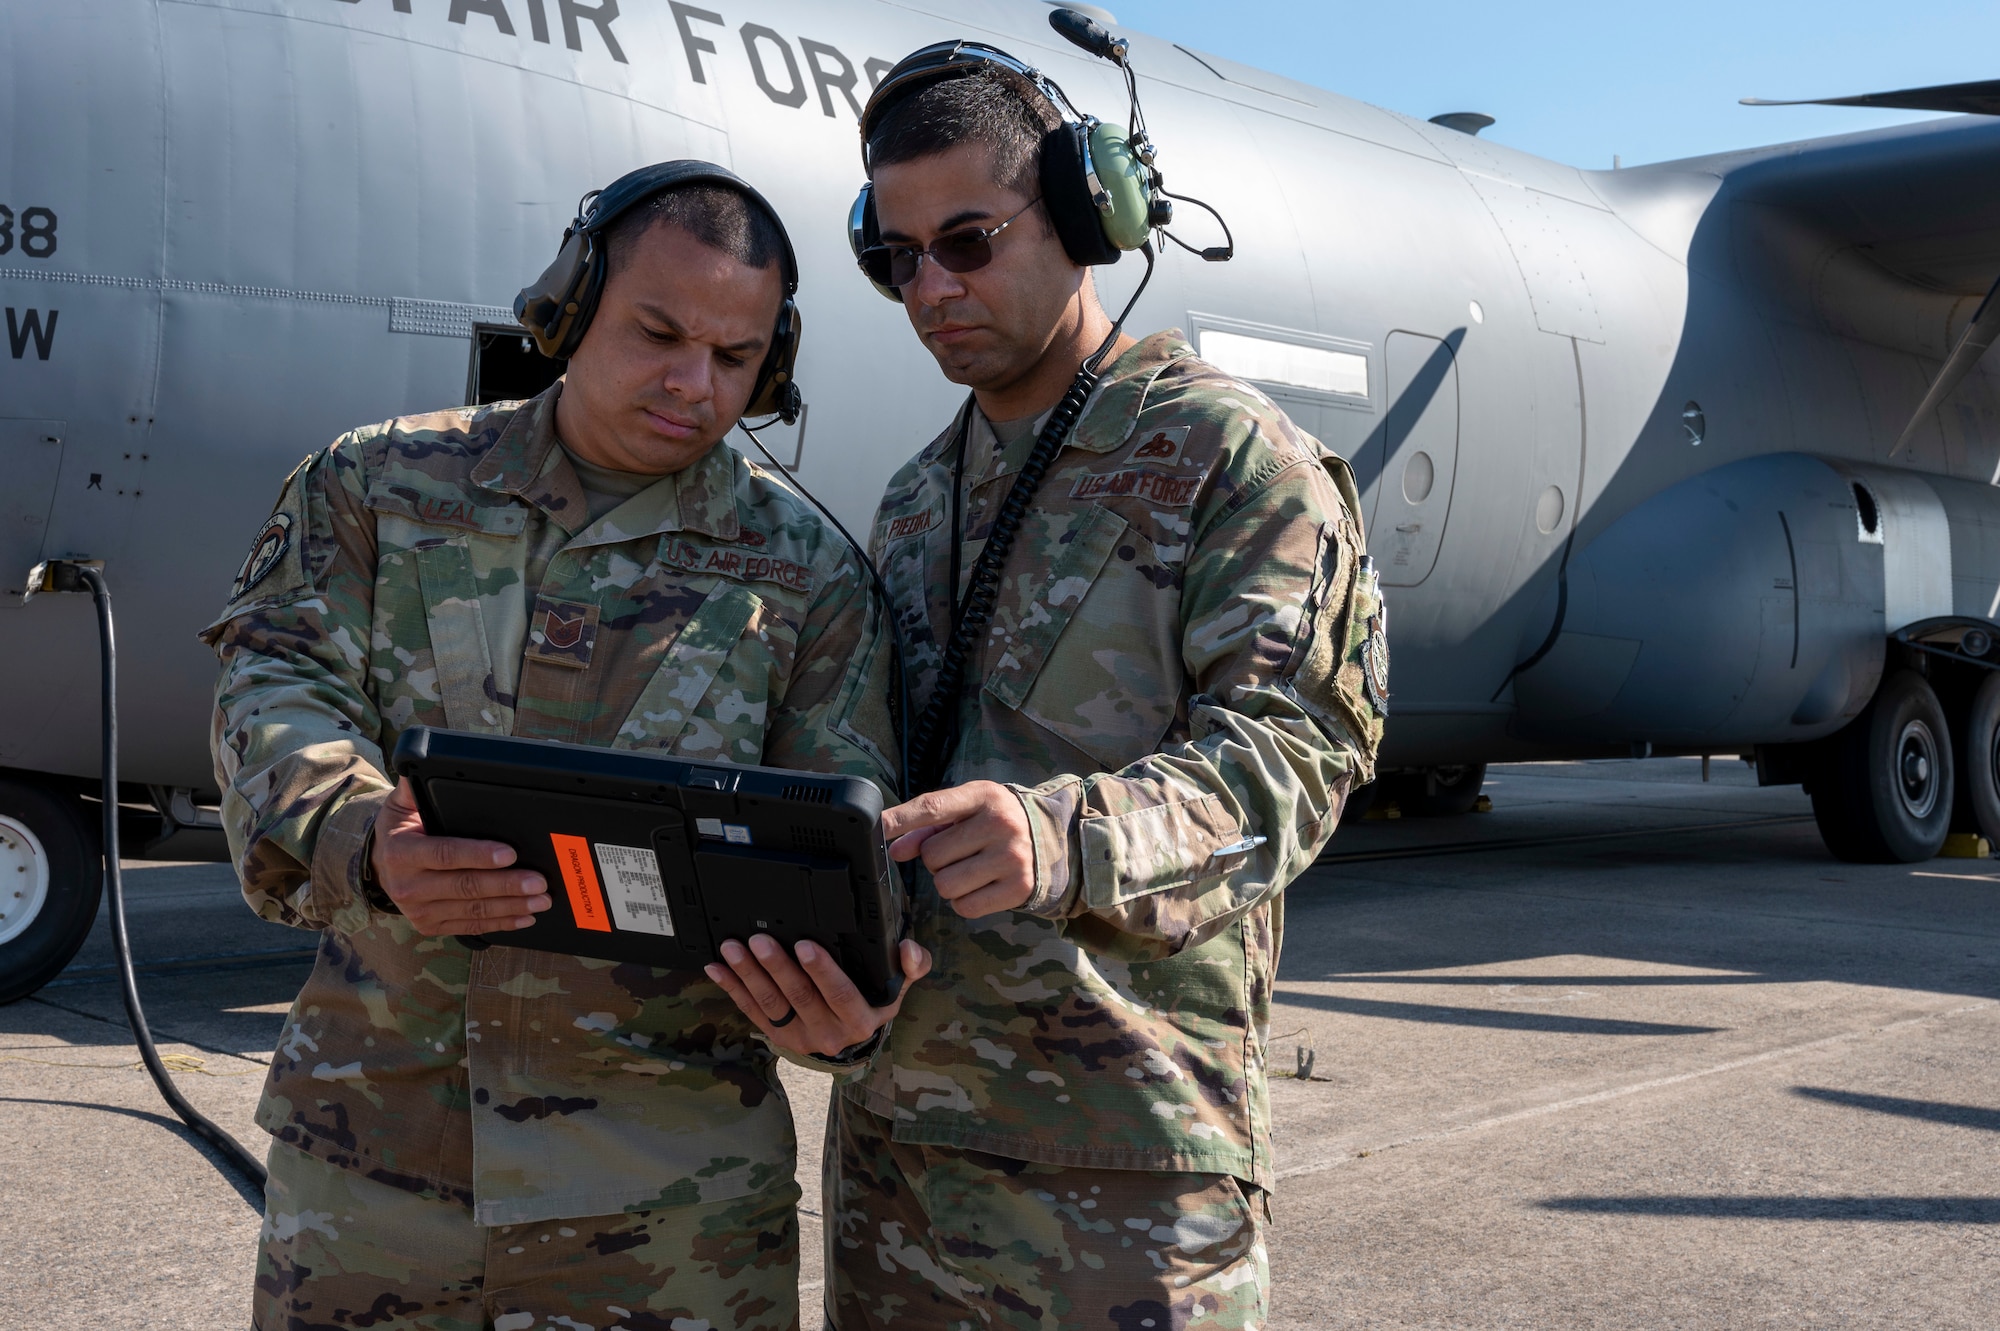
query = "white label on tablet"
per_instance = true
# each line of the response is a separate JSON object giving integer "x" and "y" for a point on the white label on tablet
{"x": 736, "y": 834}
{"x": 709, "y": 827}
{"x": 632, "y": 881}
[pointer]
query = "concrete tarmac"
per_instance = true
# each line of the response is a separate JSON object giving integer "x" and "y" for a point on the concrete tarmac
{"x": 1628, "y": 1051}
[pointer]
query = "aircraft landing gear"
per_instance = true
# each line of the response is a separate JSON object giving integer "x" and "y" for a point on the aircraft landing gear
{"x": 1886, "y": 790}
{"x": 49, "y": 885}
{"x": 1976, "y": 744}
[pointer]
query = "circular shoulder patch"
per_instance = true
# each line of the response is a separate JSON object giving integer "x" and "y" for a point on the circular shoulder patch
{"x": 265, "y": 552}
{"x": 1375, "y": 661}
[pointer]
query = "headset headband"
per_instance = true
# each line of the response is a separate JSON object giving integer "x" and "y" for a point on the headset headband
{"x": 601, "y": 208}
{"x": 557, "y": 307}
{"x": 946, "y": 60}
{"x": 1100, "y": 184}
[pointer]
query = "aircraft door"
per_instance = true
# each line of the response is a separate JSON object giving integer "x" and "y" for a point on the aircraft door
{"x": 30, "y": 458}
{"x": 1420, "y": 457}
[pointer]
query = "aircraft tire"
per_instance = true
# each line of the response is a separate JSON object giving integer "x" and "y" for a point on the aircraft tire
{"x": 49, "y": 885}
{"x": 1437, "y": 792}
{"x": 1887, "y": 798}
{"x": 1976, "y": 746}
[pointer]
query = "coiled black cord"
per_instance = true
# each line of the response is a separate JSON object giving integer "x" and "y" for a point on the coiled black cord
{"x": 982, "y": 591}
{"x": 231, "y": 1150}
{"x": 929, "y": 748}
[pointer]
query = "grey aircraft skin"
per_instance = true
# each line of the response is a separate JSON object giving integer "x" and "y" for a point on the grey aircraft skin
{"x": 1623, "y": 436}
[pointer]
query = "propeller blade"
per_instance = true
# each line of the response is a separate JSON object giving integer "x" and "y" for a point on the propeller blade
{"x": 1974, "y": 99}
{"x": 1972, "y": 343}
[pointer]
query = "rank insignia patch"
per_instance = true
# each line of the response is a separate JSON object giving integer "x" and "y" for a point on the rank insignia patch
{"x": 269, "y": 548}
{"x": 1160, "y": 448}
{"x": 563, "y": 633}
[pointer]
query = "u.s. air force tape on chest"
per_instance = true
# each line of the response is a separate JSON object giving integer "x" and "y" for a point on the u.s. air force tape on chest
{"x": 730, "y": 562}
{"x": 1156, "y": 487}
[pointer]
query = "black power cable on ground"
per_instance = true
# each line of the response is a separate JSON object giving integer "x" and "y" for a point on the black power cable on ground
{"x": 63, "y": 576}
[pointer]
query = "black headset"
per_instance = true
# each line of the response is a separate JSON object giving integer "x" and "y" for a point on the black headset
{"x": 1098, "y": 185}
{"x": 556, "y": 308}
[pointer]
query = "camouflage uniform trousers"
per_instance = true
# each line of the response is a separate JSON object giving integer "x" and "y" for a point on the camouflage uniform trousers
{"x": 923, "y": 1238}
{"x": 339, "y": 1249}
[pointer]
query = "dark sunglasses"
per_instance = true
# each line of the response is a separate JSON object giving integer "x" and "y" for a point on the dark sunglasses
{"x": 962, "y": 251}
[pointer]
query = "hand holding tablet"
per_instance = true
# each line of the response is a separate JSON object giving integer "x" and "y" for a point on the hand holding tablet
{"x": 657, "y": 860}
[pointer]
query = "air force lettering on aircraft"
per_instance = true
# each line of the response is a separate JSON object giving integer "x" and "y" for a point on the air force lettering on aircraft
{"x": 1693, "y": 457}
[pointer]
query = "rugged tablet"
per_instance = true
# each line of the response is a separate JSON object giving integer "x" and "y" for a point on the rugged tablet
{"x": 657, "y": 860}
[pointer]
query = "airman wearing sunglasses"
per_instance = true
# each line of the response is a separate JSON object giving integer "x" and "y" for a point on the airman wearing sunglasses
{"x": 1068, "y": 1125}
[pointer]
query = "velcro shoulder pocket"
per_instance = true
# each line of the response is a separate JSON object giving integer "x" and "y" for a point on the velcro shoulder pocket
{"x": 1341, "y": 671}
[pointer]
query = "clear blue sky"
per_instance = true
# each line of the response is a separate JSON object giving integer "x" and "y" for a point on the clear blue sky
{"x": 1579, "y": 81}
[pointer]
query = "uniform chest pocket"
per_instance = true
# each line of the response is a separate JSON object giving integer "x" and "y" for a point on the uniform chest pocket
{"x": 455, "y": 615}
{"x": 711, "y": 695}
{"x": 1092, "y": 655}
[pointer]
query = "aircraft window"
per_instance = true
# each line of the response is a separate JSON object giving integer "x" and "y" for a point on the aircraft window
{"x": 1549, "y": 510}
{"x": 1694, "y": 422}
{"x": 1419, "y": 474}
{"x": 505, "y": 366}
{"x": 1269, "y": 361}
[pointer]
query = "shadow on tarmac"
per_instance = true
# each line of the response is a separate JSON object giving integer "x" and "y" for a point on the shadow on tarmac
{"x": 1486, "y": 1017}
{"x": 251, "y": 1197}
{"x": 1930, "y": 1111}
{"x": 1921, "y": 1210}
{"x": 1729, "y": 900}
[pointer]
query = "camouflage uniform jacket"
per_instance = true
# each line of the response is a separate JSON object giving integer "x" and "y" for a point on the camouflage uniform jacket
{"x": 1176, "y": 665}
{"x": 442, "y": 570}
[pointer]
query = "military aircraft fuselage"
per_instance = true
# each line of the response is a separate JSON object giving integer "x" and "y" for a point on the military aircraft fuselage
{"x": 1620, "y": 433}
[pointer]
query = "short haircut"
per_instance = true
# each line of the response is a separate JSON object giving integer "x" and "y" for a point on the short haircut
{"x": 716, "y": 215}
{"x": 985, "y": 106}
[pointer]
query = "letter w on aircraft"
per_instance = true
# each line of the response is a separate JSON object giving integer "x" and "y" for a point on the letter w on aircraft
{"x": 29, "y": 326}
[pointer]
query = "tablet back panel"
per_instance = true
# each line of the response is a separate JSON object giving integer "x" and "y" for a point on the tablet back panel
{"x": 655, "y": 861}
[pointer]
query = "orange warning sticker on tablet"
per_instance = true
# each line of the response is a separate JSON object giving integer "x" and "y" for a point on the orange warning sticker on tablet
{"x": 579, "y": 875}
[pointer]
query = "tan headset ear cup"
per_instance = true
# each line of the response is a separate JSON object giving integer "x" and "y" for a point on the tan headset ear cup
{"x": 540, "y": 306}
{"x": 778, "y": 394}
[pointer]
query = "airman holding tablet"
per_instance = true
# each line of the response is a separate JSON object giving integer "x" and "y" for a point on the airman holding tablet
{"x": 505, "y": 1137}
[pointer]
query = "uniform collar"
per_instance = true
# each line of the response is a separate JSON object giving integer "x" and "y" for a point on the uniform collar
{"x": 1112, "y": 411}
{"x": 526, "y": 462}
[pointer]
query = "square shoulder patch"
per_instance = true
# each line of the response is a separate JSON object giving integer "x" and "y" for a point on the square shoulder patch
{"x": 1160, "y": 448}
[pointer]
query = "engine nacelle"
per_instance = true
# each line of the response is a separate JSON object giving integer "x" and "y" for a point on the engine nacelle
{"x": 1748, "y": 605}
